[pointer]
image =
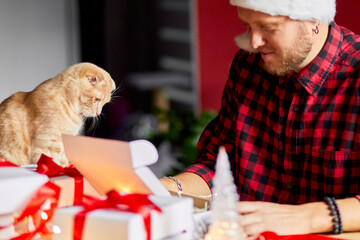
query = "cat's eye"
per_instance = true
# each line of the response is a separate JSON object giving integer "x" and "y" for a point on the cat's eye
{"x": 97, "y": 99}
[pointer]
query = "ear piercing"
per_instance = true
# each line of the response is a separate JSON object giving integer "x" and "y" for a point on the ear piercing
{"x": 316, "y": 30}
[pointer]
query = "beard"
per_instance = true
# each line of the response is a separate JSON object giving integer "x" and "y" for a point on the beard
{"x": 292, "y": 57}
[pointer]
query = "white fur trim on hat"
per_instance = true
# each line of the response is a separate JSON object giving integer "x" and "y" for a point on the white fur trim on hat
{"x": 243, "y": 42}
{"x": 312, "y": 10}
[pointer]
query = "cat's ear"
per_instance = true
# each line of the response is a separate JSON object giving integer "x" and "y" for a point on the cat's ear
{"x": 94, "y": 80}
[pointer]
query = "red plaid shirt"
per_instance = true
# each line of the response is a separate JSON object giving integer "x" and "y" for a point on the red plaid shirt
{"x": 291, "y": 139}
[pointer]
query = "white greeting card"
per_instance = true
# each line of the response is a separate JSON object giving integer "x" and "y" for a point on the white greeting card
{"x": 113, "y": 164}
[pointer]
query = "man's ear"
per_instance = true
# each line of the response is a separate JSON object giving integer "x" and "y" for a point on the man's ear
{"x": 314, "y": 26}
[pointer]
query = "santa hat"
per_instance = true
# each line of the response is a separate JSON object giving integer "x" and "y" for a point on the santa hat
{"x": 304, "y": 10}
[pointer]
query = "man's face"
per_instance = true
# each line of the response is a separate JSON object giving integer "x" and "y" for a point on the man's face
{"x": 283, "y": 43}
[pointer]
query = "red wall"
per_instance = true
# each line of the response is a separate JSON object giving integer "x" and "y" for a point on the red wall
{"x": 347, "y": 14}
{"x": 217, "y": 25}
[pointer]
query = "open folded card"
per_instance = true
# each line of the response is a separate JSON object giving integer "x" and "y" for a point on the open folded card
{"x": 113, "y": 164}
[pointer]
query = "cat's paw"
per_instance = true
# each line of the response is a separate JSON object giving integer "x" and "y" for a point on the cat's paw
{"x": 62, "y": 161}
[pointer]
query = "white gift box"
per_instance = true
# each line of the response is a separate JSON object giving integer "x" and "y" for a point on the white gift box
{"x": 67, "y": 187}
{"x": 174, "y": 222}
{"x": 17, "y": 185}
{"x": 67, "y": 192}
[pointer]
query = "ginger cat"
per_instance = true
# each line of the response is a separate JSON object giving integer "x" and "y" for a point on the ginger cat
{"x": 31, "y": 123}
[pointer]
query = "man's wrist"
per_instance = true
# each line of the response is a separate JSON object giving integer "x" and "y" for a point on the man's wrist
{"x": 178, "y": 184}
{"x": 320, "y": 217}
{"x": 170, "y": 185}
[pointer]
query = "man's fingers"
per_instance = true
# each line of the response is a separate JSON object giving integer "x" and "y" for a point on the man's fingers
{"x": 254, "y": 229}
{"x": 249, "y": 207}
{"x": 249, "y": 219}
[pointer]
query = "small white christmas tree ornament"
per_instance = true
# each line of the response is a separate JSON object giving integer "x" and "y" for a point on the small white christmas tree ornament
{"x": 225, "y": 219}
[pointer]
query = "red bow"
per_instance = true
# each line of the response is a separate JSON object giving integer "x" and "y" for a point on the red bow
{"x": 47, "y": 166}
{"x": 47, "y": 192}
{"x": 274, "y": 236}
{"x": 135, "y": 203}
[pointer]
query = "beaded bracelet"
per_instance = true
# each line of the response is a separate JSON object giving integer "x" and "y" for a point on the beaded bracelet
{"x": 334, "y": 209}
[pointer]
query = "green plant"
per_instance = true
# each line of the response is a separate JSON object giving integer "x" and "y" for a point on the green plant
{"x": 183, "y": 132}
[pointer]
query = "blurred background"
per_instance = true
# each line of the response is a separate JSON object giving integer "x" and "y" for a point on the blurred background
{"x": 169, "y": 59}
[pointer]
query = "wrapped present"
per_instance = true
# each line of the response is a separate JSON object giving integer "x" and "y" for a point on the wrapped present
{"x": 130, "y": 217}
{"x": 25, "y": 195}
{"x": 72, "y": 183}
{"x": 124, "y": 168}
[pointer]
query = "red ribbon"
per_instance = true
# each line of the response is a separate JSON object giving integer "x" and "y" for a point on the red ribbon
{"x": 4, "y": 163}
{"x": 274, "y": 236}
{"x": 135, "y": 203}
{"x": 47, "y": 192}
{"x": 47, "y": 166}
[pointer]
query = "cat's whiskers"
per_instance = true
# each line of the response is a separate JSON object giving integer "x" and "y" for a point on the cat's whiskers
{"x": 118, "y": 88}
{"x": 114, "y": 94}
{"x": 84, "y": 118}
{"x": 94, "y": 122}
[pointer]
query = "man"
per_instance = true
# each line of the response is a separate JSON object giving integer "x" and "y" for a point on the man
{"x": 289, "y": 121}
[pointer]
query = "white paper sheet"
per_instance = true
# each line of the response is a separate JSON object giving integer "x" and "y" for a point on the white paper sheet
{"x": 113, "y": 164}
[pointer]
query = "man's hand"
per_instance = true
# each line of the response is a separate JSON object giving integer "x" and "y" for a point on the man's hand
{"x": 284, "y": 219}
